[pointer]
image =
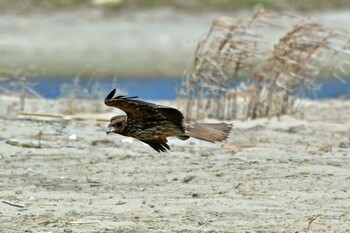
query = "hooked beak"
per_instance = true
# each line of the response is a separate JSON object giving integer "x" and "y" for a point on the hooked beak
{"x": 110, "y": 130}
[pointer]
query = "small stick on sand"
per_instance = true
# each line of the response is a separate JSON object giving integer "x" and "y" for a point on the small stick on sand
{"x": 79, "y": 223}
{"x": 41, "y": 115}
{"x": 13, "y": 204}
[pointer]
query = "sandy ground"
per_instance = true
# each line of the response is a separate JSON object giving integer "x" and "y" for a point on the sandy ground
{"x": 273, "y": 175}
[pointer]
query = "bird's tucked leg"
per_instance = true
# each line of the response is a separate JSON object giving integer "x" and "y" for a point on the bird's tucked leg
{"x": 184, "y": 138}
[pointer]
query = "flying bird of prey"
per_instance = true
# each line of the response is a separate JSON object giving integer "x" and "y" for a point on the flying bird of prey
{"x": 152, "y": 123}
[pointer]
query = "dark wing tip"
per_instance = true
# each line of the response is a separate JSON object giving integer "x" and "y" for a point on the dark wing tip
{"x": 125, "y": 98}
{"x": 110, "y": 95}
{"x": 159, "y": 146}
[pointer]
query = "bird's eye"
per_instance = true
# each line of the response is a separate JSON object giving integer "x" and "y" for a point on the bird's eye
{"x": 118, "y": 125}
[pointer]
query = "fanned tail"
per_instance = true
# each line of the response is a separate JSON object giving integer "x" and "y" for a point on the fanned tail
{"x": 211, "y": 132}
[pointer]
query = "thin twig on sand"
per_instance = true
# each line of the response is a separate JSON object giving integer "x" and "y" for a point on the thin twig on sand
{"x": 13, "y": 204}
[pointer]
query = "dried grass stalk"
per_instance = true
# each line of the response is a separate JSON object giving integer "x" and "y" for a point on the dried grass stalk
{"x": 239, "y": 73}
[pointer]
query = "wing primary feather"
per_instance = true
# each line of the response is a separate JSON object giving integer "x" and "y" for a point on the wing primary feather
{"x": 124, "y": 97}
{"x": 155, "y": 146}
{"x": 110, "y": 95}
{"x": 165, "y": 145}
{"x": 159, "y": 146}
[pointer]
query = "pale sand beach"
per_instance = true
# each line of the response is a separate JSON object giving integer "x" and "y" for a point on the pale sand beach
{"x": 64, "y": 174}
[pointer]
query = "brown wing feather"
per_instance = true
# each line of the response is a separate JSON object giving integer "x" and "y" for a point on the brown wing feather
{"x": 134, "y": 109}
{"x": 160, "y": 145}
{"x": 140, "y": 110}
{"x": 173, "y": 115}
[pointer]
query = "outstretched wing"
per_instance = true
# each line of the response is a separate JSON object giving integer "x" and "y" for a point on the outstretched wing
{"x": 138, "y": 110}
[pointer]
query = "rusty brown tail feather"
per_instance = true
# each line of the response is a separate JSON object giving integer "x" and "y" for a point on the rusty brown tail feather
{"x": 211, "y": 132}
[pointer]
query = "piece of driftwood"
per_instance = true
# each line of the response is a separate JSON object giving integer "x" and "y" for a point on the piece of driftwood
{"x": 30, "y": 114}
{"x": 60, "y": 117}
{"x": 13, "y": 204}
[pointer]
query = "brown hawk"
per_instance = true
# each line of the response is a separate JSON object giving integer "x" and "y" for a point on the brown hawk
{"x": 152, "y": 123}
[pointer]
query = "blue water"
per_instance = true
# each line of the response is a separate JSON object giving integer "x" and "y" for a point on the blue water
{"x": 332, "y": 88}
{"x": 157, "y": 88}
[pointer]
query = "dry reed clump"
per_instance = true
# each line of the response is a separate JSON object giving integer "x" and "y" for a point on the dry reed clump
{"x": 240, "y": 72}
{"x": 73, "y": 96}
{"x": 14, "y": 83}
{"x": 77, "y": 99}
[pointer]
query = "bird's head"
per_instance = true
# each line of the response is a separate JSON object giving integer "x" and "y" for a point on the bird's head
{"x": 117, "y": 125}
